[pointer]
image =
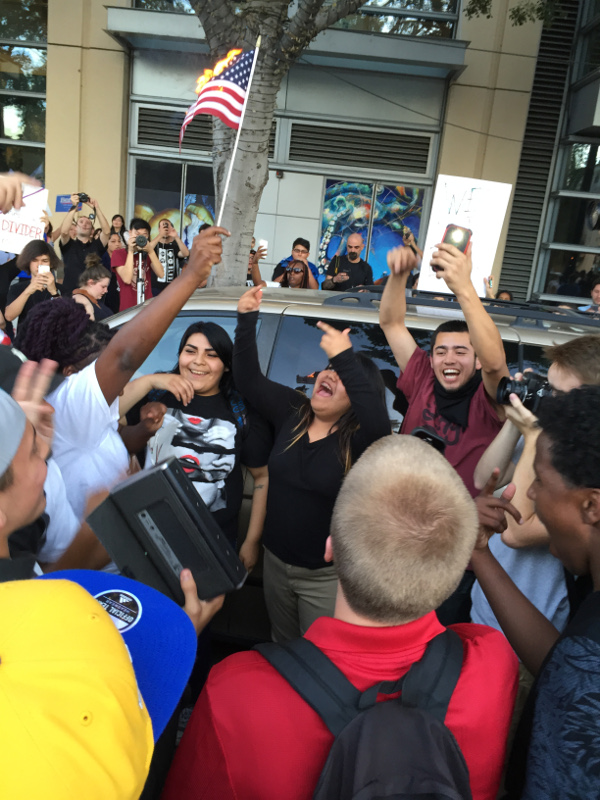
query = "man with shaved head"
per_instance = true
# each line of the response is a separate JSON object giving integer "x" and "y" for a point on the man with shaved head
{"x": 347, "y": 272}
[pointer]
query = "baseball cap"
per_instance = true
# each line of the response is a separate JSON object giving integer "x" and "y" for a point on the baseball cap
{"x": 158, "y": 634}
{"x": 73, "y": 723}
{"x": 12, "y": 429}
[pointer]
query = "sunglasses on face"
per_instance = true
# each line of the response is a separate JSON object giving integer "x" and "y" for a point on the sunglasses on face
{"x": 297, "y": 270}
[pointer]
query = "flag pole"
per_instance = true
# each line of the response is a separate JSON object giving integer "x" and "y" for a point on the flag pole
{"x": 237, "y": 138}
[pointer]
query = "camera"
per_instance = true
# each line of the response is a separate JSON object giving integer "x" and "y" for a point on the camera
{"x": 141, "y": 241}
{"x": 530, "y": 391}
{"x": 83, "y": 197}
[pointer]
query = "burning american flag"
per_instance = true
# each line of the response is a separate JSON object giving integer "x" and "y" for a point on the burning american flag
{"x": 222, "y": 90}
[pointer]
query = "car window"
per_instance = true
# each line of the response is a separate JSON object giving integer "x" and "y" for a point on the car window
{"x": 164, "y": 356}
{"x": 297, "y": 355}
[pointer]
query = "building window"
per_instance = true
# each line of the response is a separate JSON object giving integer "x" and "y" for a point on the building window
{"x": 183, "y": 193}
{"x": 23, "y": 57}
{"x": 381, "y": 214}
{"x": 394, "y": 17}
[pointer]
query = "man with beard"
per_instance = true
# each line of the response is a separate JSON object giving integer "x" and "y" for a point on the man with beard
{"x": 346, "y": 272}
{"x": 451, "y": 391}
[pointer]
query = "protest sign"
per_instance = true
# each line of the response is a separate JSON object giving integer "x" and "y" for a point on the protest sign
{"x": 19, "y": 227}
{"x": 469, "y": 203}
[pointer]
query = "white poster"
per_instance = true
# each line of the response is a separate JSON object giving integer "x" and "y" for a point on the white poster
{"x": 469, "y": 203}
{"x": 17, "y": 228}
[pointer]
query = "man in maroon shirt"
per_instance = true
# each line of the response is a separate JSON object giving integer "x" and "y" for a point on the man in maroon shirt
{"x": 402, "y": 531}
{"x": 134, "y": 263}
{"x": 451, "y": 392}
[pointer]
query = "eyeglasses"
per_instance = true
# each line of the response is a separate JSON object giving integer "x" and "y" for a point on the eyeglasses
{"x": 297, "y": 270}
{"x": 299, "y": 251}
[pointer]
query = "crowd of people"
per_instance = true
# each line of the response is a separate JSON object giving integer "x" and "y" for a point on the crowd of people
{"x": 458, "y": 576}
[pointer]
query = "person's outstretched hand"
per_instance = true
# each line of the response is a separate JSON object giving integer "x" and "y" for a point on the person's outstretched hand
{"x": 206, "y": 250}
{"x": 334, "y": 342}
{"x": 492, "y": 510}
{"x": 31, "y": 387}
{"x": 11, "y": 191}
{"x": 250, "y": 300}
{"x": 453, "y": 266}
{"x": 199, "y": 611}
{"x": 401, "y": 261}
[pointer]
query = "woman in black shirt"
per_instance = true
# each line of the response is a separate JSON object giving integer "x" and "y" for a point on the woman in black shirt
{"x": 316, "y": 442}
{"x": 36, "y": 282}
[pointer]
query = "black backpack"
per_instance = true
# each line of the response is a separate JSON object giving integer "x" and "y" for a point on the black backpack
{"x": 395, "y": 749}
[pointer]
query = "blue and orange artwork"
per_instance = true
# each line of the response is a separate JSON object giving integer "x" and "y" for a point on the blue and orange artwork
{"x": 383, "y": 212}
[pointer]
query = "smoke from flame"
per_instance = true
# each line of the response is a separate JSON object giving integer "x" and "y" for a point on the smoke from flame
{"x": 219, "y": 67}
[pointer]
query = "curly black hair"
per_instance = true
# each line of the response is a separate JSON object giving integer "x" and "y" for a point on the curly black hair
{"x": 571, "y": 422}
{"x": 61, "y": 330}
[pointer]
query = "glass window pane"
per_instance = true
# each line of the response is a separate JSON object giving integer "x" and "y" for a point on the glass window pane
{"x": 582, "y": 168}
{"x": 22, "y": 118}
{"x": 297, "y": 355}
{"x": 29, "y": 160}
{"x": 164, "y": 356}
{"x": 577, "y": 222}
{"x": 157, "y": 192}
{"x": 571, "y": 273}
{"x": 181, "y": 6}
{"x": 25, "y": 20}
{"x": 439, "y": 6}
{"x": 396, "y": 25}
{"x": 199, "y": 201}
{"x": 590, "y": 52}
{"x": 22, "y": 68}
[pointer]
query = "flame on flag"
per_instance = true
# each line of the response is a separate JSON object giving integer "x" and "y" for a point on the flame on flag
{"x": 220, "y": 67}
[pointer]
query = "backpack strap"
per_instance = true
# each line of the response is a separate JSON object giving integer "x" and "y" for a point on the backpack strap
{"x": 430, "y": 682}
{"x": 316, "y": 679}
{"x": 427, "y": 685}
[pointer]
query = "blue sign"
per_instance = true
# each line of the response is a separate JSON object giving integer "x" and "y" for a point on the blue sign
{"x": 63, "y": 203}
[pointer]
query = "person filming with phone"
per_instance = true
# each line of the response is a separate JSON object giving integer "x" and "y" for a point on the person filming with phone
{"x": 132, "y": 265}
{"x": 74, "y": 251}
{"x": 452, "y": 390}
{"x": 36, "y": 281}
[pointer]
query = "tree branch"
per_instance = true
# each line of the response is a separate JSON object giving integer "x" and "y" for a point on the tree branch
{"x": 220, "y": 22}
{"x": 337, "y": 11}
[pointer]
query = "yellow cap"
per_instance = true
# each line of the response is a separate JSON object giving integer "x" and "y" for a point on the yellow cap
{"x": 73, "y": 725}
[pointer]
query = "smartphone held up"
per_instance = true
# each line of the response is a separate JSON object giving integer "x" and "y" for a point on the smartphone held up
{"x": 457, "y": 236}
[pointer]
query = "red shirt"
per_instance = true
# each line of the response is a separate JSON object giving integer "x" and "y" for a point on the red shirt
{"x": 252, "y": 737}
{"x": 128, "y": 291}
{"x": 464, "y": 448}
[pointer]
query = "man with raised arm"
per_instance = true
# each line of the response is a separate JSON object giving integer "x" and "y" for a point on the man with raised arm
{"x": 74, "y": 251}
{"x": 451, "y": 391}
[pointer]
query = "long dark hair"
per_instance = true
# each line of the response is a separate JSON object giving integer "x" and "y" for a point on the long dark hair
{"x": 347, "y": 424}
{"x": 118, "y": 232}
{"x": 284, "y": 281}
{"x": 221, "y": 343}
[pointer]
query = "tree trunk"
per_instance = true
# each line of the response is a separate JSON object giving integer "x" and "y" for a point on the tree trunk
{"x": 249, "y": 176}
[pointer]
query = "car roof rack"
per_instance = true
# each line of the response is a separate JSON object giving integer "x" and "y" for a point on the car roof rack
{"x": 526, "y": 315}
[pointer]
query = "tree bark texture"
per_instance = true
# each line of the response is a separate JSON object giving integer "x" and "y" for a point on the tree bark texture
{"x": 284, "y": 38}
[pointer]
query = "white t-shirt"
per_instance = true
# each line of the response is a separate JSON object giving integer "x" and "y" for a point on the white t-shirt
{"x": 63, "y": 525}
{"x": 87, "y": 448}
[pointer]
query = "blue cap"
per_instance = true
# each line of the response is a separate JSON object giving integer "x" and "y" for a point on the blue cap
{"x": 159, "y": 636}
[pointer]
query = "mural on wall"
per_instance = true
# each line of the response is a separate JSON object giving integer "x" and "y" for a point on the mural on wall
{"x": 382, "y": 211}
{"x": 154, "y": 206}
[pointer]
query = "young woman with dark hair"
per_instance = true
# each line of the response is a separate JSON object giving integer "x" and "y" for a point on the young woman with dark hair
{"x": 87, "y": 447}
{"x": 316, "y": 442}
{"x": 117, "y": 225}
{"x": 93, "y": 285}
{"x": 36, "y": 282}
{"x": 295, "y": 275}
{"x": 196, "y": 414}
